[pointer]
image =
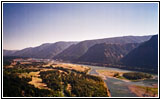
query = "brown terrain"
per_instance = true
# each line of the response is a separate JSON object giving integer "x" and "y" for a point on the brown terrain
{"x": 142, "y": 91}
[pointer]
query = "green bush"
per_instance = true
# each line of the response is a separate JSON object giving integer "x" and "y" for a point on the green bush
{"x": 136, "y": 75}
{"x": 116, "y": 75}
{"x": 82, "y": 85}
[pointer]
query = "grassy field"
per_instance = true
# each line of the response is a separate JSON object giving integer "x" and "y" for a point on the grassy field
{"x": 72, "y": 66}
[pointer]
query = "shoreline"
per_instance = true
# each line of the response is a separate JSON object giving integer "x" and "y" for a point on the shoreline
{"x": 108, "y": 92}
{"x": 123, "y": 67}
{"x": 103, "y": 77}
{"x": 142, "y": 91}
{"x": 108, "y": 72}
{"x": 137, "y": 90}
{"x": 108, "y": 76}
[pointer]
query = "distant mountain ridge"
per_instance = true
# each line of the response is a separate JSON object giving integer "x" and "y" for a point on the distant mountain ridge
{"x": 129, "y": 52}
{"x": 47, "y": 50}
{"x": 9, "y": 52}
{"x": 107, "y": 53}
{"x": 75, "y": 51}
{"x": 70, "y": 51}
{"x": 144, "y": 56}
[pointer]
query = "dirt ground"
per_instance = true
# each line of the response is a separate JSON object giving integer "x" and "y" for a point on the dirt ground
{"x": 144, "y": 91}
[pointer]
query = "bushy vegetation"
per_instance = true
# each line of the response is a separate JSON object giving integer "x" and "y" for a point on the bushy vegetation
{"x": 82, "y": 85}
{"x": 13, "y": 86}
{"x": 136, "y": 75}
{"x": 116, "y": 75}
{"x": 7, "y": 60}
{"x": 15, "y": 70}
{"x": 60, "y": 82}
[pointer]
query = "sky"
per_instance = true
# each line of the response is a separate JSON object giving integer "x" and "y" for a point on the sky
{"x": 32, "y": 24}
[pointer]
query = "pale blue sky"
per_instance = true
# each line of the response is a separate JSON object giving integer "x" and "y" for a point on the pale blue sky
{"x": 27, "y": 25}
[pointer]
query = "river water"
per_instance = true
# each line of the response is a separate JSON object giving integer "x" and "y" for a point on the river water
{"x": 119, "y": 88}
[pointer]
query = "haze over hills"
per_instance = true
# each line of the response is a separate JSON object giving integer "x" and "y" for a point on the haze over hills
{"x": 9, "y": 52}
{"x": 144, "y": 56}
{"x": 75, "y": 51}
{"x": 47, "y": 50}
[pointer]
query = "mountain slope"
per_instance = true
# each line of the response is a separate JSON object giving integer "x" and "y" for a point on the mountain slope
{"x": 48, "y": 50}
{"x": 9, "y": 52}
{"x": 144, "y": 56}
{"x": 76, "y": 51}
{"x": 107, "y": 53}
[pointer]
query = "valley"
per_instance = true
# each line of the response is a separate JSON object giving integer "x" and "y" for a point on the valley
{"x": 57, "y": 79}
{"x": 118, "y": 52}
{"x": 80, "y": 50}
{"x": 111, "y": 67}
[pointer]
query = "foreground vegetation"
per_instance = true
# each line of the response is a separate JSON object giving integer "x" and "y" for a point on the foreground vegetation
{"x": 18, "y": 81}
{"x": 73, "y": 83}
{"x": 14, "y": 86}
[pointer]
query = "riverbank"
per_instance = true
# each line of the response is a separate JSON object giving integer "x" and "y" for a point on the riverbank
{"x": 111, "y": 74}
{"x": 104, "y": 78}
{"x": 119, "y": 86}
{"x": 144, "y": 91}
{"x": 126, "y": 76}
{"x": 80, "y": 68}
{"x": 123, "y": 67}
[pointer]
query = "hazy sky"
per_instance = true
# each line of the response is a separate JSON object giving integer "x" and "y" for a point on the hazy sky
{"x": 27, "y": 25}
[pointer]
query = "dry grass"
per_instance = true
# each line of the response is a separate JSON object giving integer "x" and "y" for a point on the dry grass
{"x": 143, "y": 91}
{"x": 25, "y": 75}
{"x": 109, "y": 73}
{"x": 69, "y": 87}
{"x": 47, "y": 65}
{"x": 29, "y": 75}
{"x": 47, "y": 69}
{"x": 10, "y": 66}
{"x": 34, "y": 74}
{"x": 36, "y": 81}
{"x": 25, "y": 62}
{"x": 72, "y": 66}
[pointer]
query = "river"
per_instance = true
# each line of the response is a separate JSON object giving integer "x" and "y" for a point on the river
{"x": 119, "y": 88}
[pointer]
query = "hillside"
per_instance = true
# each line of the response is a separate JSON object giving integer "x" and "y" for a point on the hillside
{"x": 75, "y": 51}
{"x": 144, "y": 56}
{"x": 48, "y": 50}
{"x": 107, "y": 53}
{"x": 8, "y": 52}
{"x": 70, "y": 51}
